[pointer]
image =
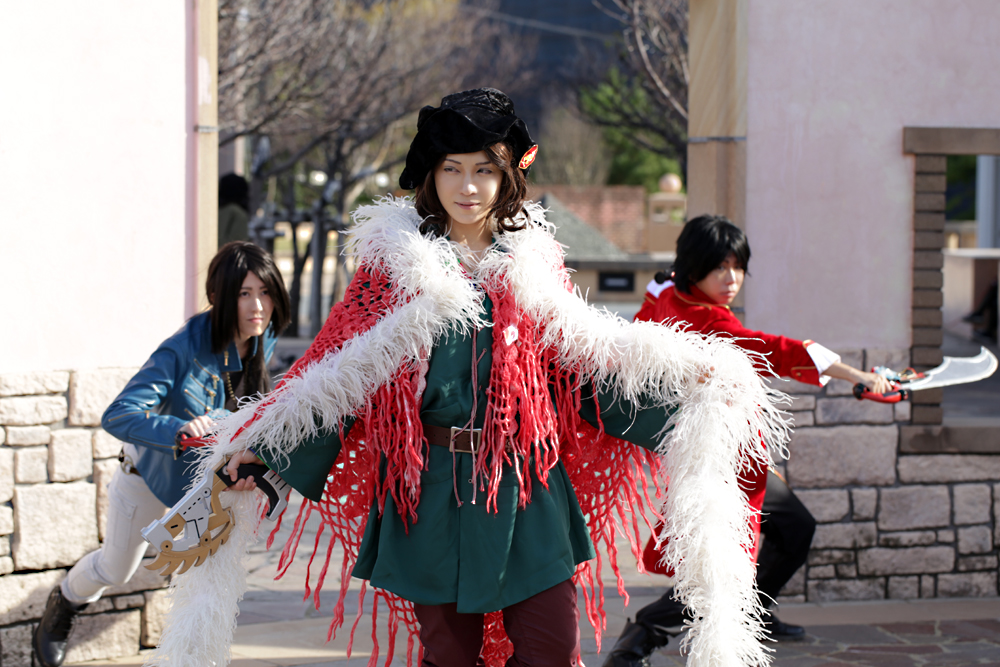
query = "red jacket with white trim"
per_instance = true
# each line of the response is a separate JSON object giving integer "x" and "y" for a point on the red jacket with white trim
{"x": 787, "y": 357}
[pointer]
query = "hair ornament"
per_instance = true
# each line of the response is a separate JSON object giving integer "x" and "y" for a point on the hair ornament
{"x": 528, "y": 157}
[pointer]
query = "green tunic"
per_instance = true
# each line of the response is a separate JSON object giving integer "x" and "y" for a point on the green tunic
{"x": 483, "y": 561}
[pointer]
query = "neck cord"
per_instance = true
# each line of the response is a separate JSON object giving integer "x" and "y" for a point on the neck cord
{"x": 229, "y": 382}
{"x": 229, "y": 386}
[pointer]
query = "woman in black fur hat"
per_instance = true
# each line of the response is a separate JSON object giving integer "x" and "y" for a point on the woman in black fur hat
{"x": 465, "y": 425}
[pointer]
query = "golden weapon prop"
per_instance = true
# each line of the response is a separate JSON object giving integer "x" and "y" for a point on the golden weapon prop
{"x": 194, "y": 529}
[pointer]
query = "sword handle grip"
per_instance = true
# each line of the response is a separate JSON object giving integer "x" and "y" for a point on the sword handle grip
{"x": 258, "y": 472}
{"x": 183, "y": 441}
{"x": 862, "y": 392}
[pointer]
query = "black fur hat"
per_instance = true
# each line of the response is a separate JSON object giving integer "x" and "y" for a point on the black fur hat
{"x": 465, "y": 122}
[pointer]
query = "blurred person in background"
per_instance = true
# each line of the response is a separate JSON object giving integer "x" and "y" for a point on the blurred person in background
{"x": 984, "y": 317}
{"x": 234, "y": 209}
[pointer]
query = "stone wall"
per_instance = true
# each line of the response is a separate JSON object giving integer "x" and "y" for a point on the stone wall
{"x": 891, "y": 525}
{"x": 55, "y": 465}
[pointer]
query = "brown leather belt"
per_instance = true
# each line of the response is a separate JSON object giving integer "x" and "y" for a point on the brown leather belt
{"x": 452, "y": 438}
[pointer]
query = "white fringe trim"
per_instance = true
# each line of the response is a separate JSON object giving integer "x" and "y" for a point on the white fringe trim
{"x": 723, "y": 418}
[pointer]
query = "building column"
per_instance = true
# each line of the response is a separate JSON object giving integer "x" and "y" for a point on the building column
{"x": 717, "y": 108}
{"x": 988, "y": 201}
{"x": 203, "y": 148}
{"x": 717, "y": 113}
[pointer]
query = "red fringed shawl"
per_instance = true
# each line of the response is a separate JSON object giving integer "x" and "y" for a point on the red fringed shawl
{"x": 607, "y": 474}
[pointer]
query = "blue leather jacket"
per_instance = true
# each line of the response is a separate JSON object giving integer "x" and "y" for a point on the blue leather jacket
{"x": 182, "y": 380}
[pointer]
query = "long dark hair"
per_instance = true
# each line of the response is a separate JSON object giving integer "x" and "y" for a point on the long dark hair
{"x": 226, "y": 273}
{"x": 509, "y": 202}
{"x": 703, "y": 245}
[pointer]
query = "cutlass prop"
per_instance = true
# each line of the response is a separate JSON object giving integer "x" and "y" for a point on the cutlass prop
{"x": 953, "y": 370}
{"x": 195, "y": 528}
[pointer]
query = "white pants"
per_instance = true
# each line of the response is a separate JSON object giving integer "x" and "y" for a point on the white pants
{"x": 131, "y": 507}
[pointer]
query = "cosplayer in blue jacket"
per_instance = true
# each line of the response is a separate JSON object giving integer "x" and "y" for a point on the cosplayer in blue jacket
{"x": 193, "y": 377}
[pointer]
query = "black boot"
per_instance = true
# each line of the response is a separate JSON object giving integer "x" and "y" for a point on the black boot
{"x": 49, "y": 640}
{"x": 635, "y": 645}
{"x": 777, "y": 631}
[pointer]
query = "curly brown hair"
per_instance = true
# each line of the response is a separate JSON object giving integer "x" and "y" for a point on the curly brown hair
{"x": 508, "y": 203}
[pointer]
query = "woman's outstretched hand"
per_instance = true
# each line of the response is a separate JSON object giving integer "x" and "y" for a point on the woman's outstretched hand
{"x": 238, "y": 459}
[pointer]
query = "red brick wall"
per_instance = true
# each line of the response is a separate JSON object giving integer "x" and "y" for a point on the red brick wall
{"x": 617, "y": 211}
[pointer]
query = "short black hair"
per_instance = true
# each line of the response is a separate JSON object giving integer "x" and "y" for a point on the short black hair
{"x": 226, "y": 273}
{"x": 703, "y": 245}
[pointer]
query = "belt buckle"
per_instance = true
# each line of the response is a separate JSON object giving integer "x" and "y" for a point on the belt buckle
{"x": 127, "y": 466}
{"x": 455, "y": 431}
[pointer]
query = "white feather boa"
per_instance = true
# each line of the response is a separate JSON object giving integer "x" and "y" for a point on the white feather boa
{"x": 725, "y": 412}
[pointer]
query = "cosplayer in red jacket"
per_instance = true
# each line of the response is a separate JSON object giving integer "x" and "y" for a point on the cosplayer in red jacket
{"x": 712, "y": 259}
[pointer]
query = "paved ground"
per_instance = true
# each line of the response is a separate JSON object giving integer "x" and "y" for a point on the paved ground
{"x": 278, "y": 628}
{"x": 955, "y": 633}
{"x": 972, "y": 642}
{"x": 890, "y": 634}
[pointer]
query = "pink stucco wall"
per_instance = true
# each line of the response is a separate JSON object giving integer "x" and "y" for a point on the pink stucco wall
{"x": 93, "y": 192}
{"x": 831, "y": 85}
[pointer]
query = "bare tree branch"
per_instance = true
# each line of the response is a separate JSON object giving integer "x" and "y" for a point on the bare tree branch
{"x": 646, "y": 98}
{"x": 328, "y": 82}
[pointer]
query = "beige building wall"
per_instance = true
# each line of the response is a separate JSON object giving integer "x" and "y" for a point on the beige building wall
{"x": 845, "y": 225}
{"x": 99, "y": 174}
{"x": 108, "y": 184}
{"x": 829, "y": 205}
{"x": 717, "y": 123}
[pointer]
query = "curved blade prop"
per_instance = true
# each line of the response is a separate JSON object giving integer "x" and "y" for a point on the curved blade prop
{"x": 953, "y": 370}
{"x": 195, "y": 528}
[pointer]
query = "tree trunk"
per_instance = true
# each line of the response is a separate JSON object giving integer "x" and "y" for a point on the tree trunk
{"x": 316, "y": 317}
{"x": 339, "y": 268}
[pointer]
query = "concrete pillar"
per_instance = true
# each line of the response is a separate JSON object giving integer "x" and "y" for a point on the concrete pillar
{"x": 203, "y": 148}
{"x": 988, "y": 201}
{"x": 717, "y": 112}
{"x": 717, "y": 100}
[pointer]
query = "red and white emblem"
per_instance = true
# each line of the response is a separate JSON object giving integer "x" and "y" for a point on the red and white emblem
{"x": 529, "y": 157}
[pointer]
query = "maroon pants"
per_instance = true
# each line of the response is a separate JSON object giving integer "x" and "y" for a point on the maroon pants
{"x": 544, "y": 629}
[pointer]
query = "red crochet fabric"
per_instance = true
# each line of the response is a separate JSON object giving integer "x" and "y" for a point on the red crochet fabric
{"x": 606, "y": 473}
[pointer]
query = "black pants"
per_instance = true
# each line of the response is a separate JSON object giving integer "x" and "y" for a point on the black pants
{"x": 787, "y": 527}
